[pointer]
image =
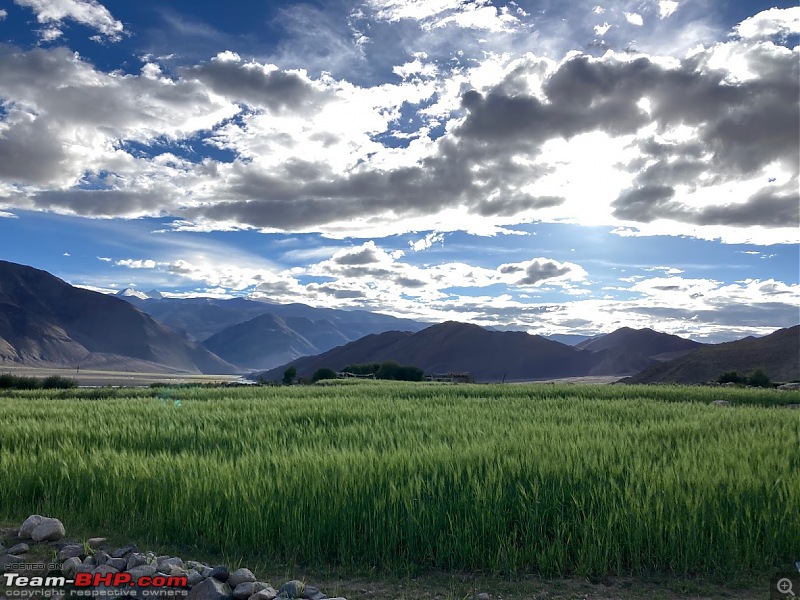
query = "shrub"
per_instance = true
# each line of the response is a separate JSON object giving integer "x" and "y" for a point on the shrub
{"x": 323, "y": 373}
{"x": 759, "y": 378}
{"x": 731, "y": 377}
{"x": 56, "y": 382}
{"x": 289, "y": 375}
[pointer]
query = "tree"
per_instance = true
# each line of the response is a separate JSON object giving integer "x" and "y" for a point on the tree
{"x": 323, "y": 373}
{"x": 730, "y": 377}
{"x": 409, "y": 373}
{"x": 289, "y": 375}
{"x": 759, "y": 378}
{"x": 388, "y": 370}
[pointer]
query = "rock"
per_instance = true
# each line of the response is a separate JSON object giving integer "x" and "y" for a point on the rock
{"x": 483, "y": 596}
{"x": 70, "y": 551}
{"x": 89, "y": 560}
{"x": 96, "y": 542}
{"x": 136, "y": 560}
{"x": 721, "y": 403}
{"x": 124, "y": 551}
{"x": 104, "y": 570}
{"x": 9, "y": 559}
{"x": 206, "y": 571}
{"x": 312, "y": 593}
{"x": 247, "y": 588}
{"x": 101, "y": 557}
{"x": 70, "y": 566}
{"x": 170, "y": 570}
{"x": 29, "y": 525}
{"x": 142, "y": 571}
{"x": 292, "y": 589}
{"x": 120, "y": 564}
{"x": 84, "y": 568}
{"x": 3, "y": 550}
{"x": 266, "y": 594}
{"x": 177, "y": 561}
{"x": 786, "y": 387}
{"x": 210, "y": 589}
{"x": 18, "y": 549}
{"x": 193, "y": 578}
{"x": 220, "y": 573}
{"x": 241, "y": 576}
{"x": 48, "y": 530}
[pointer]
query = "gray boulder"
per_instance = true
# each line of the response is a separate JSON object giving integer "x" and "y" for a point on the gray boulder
{"x": 241, "y": 576}
{"x": 266, "y": 594}
{"x": 721, "y": 403}
{"x": 69, "y": 567}
{"x": 120, "y": 564}
{"x": 248, "y": 588}
{"x": 18, "y": 549}
{"x": 292, "y": 589}
{"x": 104, "y": 570}
{"x": 312, "y": 593}
{"x": 9, "y": 559}
{"x": 29, "y": 525}
{"x": 49, "y": 530}
{"x": 193, "y": 578}
{"x": 136, "y": 560}
{"x": 95, "y": 542}
{"x": 210, "y": 589}
{"x": 142, "y": 571}
{"x": 220, "y": 573}
{"x": 70, "y": 551}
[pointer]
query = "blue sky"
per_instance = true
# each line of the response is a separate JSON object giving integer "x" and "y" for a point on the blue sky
{"x": 547, "y": 166}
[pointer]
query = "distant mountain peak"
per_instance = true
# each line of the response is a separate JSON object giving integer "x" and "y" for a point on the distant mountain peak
{"x": 132, "y": 293}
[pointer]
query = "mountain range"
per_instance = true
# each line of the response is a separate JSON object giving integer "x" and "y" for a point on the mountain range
{"x": 46, "y": 322}
{"x": 778, "y": 354}
{"x": 496, "y": 355}
{"x": 261, "y": 335}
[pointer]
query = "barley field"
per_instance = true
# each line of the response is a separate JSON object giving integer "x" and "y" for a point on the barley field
{"x": 552, "y": 479}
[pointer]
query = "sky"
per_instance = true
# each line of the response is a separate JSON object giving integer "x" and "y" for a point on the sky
{"x": 546, "y": 166}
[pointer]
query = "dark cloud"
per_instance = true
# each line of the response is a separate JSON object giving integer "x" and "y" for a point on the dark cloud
{"x": 539, "y": 271}
{"x": 362, "y": 257}
{"x": 642, "y": 204}
{"x": 256, "y": 85}
{"x": 408, "y": 282}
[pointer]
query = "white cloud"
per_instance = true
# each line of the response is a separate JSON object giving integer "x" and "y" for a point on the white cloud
{"x": 770, "y": 23}
{"x": 49, "y": 34}
{"x": 7, "y": 215}
{"x": 3, "y": 13}
{"x": 601, "y": 30}
{"x": 667, "y": 8}
{"x": 86, "y": 12}
{"x": 137, "y": 264}
{"x": 426, "y": 242}
{"x": 634, "y": 18}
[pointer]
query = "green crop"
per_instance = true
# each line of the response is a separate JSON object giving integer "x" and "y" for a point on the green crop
{"x": 557, "y": 479}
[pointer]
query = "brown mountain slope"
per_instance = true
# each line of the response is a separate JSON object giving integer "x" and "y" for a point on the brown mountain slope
{"x": 778, "y": 354}
{"x": 44, "y": 321}
{"x": 458, "y": 347}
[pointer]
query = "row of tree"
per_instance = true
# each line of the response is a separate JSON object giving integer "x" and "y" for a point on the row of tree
{"x": 757, "y": 378}
{"x": 388, "y": 369}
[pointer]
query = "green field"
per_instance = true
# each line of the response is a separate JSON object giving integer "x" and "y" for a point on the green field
{"x": 551, "y": 479}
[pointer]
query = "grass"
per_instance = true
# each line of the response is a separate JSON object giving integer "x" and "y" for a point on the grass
{"x": 552, "y": 479}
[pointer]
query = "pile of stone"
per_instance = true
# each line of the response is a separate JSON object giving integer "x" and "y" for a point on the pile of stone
{"x": 204, "y": 582}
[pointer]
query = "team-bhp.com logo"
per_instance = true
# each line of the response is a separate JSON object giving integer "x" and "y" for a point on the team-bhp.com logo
{"x": 84, "y": 583}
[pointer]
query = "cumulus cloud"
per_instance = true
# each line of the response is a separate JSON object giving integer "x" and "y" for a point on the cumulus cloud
{"x": 634, "y": 18}
{"x": 770, "y": 23}
{"x": 86, "y": 12}
{"x": 667, "y": 8}
{"x": 625, "y": 139}
{"x": 3, "y": 13}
